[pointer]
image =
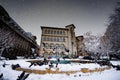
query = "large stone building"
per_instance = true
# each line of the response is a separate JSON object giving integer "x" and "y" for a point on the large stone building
{"x": 14, "y": 41}
{"x": 58, "y": 41}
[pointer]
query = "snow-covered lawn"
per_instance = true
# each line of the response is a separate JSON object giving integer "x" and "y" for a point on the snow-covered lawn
{"x": 10, "y": 74}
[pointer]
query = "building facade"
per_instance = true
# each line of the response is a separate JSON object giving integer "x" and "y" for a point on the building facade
{"x": 58, "y": 41}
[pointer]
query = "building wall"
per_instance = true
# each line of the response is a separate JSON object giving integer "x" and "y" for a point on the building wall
{"x": 80, "y": 46}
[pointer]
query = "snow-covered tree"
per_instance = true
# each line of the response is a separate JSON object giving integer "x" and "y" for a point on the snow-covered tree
{"x": 92, "y": 44}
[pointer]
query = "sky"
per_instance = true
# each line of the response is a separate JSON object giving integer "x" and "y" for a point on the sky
{"x": 86, "y": 15}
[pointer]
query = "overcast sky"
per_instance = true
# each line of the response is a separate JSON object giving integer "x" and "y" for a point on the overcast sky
{"x": 86, "y": 15}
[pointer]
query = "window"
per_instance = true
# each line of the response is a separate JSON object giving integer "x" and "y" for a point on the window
{"x": 60, "y": 39}
{"x": 57, "y": 32}
{"x": 45, "y": 31}
{"x": 57, "y": 46}
{"x": 52, "y": 46}
{"x": 54, "y": 38}
{"x": 47, "y": 39}
{"x": 54, "y": 32}
{"x": 48, "y": 31}
{"x": 60, "y": 32}
{"x": 51, "y": 31}
{"x": 50, "y": 38}
{"x": 46, "y": 45}
{"x": 57, "y": 39}
{"x": 63, "y": 39}
{"x": 44, "y": 38}
{"x": 62, "y": 46}
{"x": 63, "y": 32}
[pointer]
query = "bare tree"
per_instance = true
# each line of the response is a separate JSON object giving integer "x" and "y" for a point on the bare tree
{"x": 105, "y": 46}
{"x": 113, "y": 29}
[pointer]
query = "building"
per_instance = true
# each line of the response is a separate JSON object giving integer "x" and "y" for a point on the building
{"x": 14, "y": 41}
{"x": 58, "y": 41}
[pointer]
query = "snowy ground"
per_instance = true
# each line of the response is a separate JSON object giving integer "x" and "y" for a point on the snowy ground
{"x": 10, "y": 74}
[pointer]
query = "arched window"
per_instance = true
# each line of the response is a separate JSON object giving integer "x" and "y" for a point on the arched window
{"x": 62, "y": 46}
{"x": 57, "y": 46}
{"x": 52, "y": 46}
{"x": 46, "y": 45}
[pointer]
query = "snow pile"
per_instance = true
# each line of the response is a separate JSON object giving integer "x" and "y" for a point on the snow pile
{"x": 115, "y": 62}
{"x": 10, "y": 74}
